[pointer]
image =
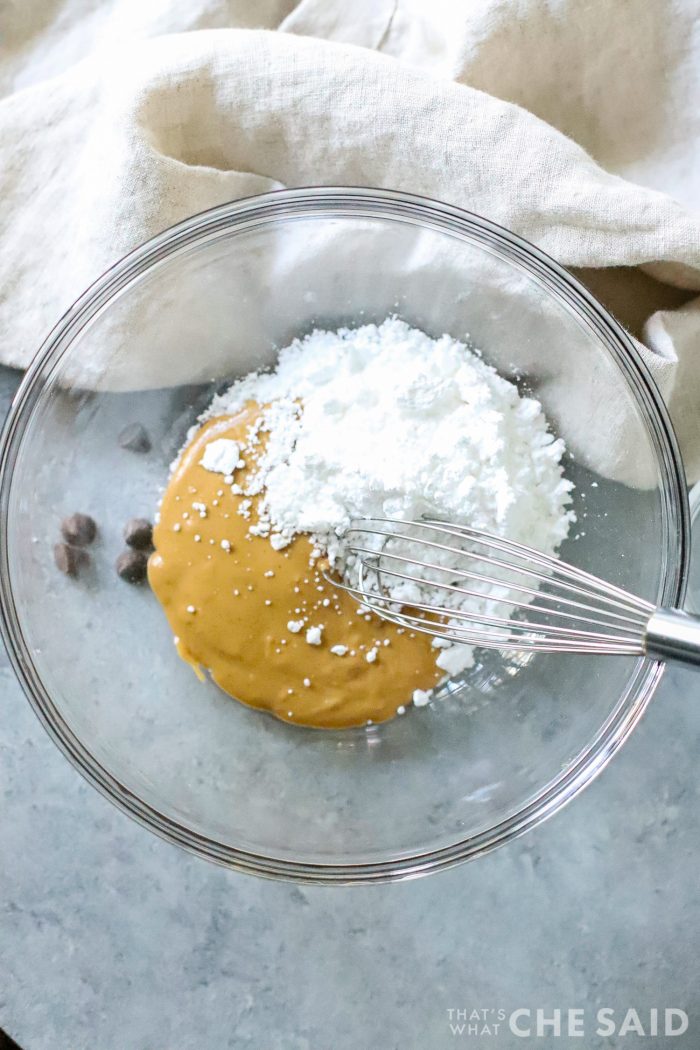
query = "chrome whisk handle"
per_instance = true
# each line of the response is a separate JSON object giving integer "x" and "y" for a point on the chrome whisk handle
{"x": 672, "y": 634}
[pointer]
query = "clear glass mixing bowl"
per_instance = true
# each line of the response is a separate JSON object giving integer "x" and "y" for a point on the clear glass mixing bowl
{"x": 149, "y": 342}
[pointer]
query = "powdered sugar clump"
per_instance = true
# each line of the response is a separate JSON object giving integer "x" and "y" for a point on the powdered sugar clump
{"x": 383, "y": 421}
{"x": 221, "y": 456}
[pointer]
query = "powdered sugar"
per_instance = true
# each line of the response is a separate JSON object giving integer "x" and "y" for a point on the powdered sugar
{"x": 221, "y": 456}
{"x": 383, "y": 421}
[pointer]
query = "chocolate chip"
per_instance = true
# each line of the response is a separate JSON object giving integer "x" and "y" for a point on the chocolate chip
{"x": 131, "y": 565}
{"x": 79, "y": 529}
{"x": 70, "y": 560}
{"x": 135, "y": 437}
{"x": 138, "y": 533}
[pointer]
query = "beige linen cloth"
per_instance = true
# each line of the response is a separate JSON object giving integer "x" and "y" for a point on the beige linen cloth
{"x": 575, "y": 123}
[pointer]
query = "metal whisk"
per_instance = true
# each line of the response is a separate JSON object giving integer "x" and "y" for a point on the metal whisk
{"x": 516, "y": 597}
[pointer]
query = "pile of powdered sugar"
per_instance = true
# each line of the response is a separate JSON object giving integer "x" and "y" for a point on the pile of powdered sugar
{"x": 383, "y": 421}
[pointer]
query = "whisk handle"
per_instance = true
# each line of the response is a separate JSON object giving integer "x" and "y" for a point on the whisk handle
{"x": 672, "y": 634}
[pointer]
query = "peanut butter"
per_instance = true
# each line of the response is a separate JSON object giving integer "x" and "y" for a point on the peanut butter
{"x": 241, "y": 610}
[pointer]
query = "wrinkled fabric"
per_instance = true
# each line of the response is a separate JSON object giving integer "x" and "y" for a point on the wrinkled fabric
{"x": 573, "y": 123}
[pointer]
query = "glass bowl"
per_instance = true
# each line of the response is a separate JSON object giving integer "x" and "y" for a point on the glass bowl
{"x": 149, "y": 342}
{"x": 692, "y": 600}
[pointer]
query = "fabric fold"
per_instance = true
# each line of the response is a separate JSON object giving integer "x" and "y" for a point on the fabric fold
{"x": 117, "y": 123}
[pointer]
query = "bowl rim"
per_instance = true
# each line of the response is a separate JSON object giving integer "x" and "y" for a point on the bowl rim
{"x": 354, "y": 201}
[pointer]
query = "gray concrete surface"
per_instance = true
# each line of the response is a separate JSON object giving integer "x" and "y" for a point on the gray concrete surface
{"x": 113, "y": 940}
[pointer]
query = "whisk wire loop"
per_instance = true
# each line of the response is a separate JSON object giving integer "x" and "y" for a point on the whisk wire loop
{"x": 522, "y": 599}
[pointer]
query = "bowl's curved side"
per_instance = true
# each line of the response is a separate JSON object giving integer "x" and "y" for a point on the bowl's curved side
{"x": 383, "y": 204}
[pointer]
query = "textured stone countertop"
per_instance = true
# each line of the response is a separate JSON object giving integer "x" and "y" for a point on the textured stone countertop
{"x": 113, "y": 940}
